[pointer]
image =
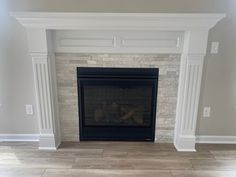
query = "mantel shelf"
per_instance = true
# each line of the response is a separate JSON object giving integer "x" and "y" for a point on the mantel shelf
{"x": 135, "y": 21}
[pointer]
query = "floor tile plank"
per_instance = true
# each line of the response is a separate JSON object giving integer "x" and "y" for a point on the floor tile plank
{"x": 105, "y": 173}
{"x": 21, "y": 172}
{"x": 201, "y": 173}
{"x": 116, "y": 159}
{"x": 201, "y": 164}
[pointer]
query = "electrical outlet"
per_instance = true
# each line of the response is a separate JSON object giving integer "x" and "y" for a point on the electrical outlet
{"x": 29, "y": 109}
{"x": 214, "y": 47}
{"x": 207, "y": 112}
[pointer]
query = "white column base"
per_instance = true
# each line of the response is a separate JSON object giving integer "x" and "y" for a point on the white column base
{"x": 47, "y": 142}
{"x": 185, "y": 143}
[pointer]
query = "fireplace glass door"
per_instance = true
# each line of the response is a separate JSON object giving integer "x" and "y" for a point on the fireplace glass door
{"x": 116, "y": 107}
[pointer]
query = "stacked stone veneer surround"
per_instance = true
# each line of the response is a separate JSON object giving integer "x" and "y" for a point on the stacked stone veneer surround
{"x": 168, "y": 65}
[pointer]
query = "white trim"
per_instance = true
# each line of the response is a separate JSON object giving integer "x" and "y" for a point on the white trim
{"x": 185, "y": 150}
{"x": 48, "y": 148}
{"x": 185, "y": 143}
{"x": 48, "y": 142}
{"x": 117, "y": 21}
{"x": 19, "y": 137}
{"x": 115, "y": 41}
{"x": 216, "y": 139}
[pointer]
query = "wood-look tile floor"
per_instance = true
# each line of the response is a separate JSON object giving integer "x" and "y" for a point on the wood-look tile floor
{"x": 116, "y": 159}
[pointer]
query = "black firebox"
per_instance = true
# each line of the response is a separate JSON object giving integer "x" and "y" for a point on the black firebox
{"x": 117, "y": 103}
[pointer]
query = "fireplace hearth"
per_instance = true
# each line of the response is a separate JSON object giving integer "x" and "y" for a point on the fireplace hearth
{"x": 117, "y": 103}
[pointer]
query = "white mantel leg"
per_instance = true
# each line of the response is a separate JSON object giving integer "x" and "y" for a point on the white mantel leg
{"x": 43, "y": 61}
{"x": 44, "y": 111}
{"x": 190, "y": 100}
{"x": 189, "y": 89}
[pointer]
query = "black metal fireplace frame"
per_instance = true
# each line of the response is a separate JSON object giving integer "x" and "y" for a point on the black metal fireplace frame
{"x": 86, "y": 75}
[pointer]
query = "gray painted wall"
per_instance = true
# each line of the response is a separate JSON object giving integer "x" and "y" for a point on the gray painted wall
{"x": 16, "y": 78}
{"x": 219, "y": 78}
{"x": 4, "y": 68}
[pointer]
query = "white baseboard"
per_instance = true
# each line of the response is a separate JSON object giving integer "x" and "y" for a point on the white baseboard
{"x": 216, "y": 139}
{"x": 19, "y": 137}
{"x": 199, "y": 139}
{"x": 48, "y": 148}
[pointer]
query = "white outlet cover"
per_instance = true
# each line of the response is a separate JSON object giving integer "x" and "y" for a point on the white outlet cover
{"x": 29, "y": 109}
{"x": 207, "y": 112}
{"x": 214, "y": 47}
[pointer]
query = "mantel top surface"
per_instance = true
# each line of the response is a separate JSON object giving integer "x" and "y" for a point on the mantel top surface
{"x": 158, "y": 21}
{"x": 97, "y": 14}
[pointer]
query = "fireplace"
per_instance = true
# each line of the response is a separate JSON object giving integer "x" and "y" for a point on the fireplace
{"x": 117, "y": 103}
{"x": 113, "y": 33}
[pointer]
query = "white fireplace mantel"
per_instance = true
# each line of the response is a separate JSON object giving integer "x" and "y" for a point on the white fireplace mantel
{"x": 150, "y": 33}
